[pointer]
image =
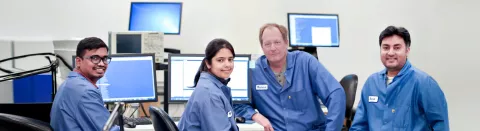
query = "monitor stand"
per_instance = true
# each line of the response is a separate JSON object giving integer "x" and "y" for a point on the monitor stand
{"x": 116, "y": 114}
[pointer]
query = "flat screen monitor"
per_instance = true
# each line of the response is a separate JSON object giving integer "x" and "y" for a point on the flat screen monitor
{"x": 313, "y": 30}
{"x": 129, "y": 78}
{"x": 182, "y": 69}
{"x": 165, "y": 17}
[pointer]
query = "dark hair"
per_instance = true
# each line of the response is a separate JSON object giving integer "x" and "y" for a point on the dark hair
{"x": 212, "y": 48}
{"x": 89, "y": 43}
{"x": 399, "y": 31}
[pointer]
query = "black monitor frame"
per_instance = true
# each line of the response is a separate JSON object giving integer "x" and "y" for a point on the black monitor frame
{"x": 249, "y": 78}
{"x": 181, "y": 14}
{"x": 313, "y": 14}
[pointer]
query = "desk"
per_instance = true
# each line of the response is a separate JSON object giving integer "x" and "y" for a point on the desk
{"x": 242, "y": 127}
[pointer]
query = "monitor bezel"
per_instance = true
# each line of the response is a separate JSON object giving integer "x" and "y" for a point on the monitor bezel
{"x": 249, "y": 75}
{"x": 154, "y": 76}
{"x": 312, "y": 14}
{"x": 144, "y": 2}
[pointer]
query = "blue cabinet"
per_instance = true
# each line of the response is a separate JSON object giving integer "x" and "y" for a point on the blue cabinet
{"x": 33, "y": 89}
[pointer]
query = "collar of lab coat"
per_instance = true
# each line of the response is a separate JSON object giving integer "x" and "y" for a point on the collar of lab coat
{"x": 404, "y": 70}
{"x": 74, "y": 74}
{"x": 216, "y": 80}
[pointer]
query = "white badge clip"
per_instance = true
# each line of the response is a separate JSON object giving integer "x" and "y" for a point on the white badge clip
{"x": 373, "y": 99}
{"x": 229, "y": 114}
{"x": 261, "y": 87}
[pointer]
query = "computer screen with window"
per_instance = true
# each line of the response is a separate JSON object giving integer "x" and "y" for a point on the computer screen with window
{"x": 129, "y": 78}
{"x": 183, "y": 68}
{"x": 313, "y": 30}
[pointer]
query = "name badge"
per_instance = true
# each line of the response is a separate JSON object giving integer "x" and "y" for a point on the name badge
{"x": 229, "y": 114}
{"x": 261, "y": 87}
{"x": 373, "y": 99}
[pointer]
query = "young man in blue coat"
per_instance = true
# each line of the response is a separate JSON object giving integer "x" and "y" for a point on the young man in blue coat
{"x": 78, "y": 105}
{"x": 400, "y": 97}
{"x": 286, "y": 87}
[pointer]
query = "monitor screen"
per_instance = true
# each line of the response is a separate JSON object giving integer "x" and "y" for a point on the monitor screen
{"x": 183, "y": 68}
{"x": 129, "y": 78}
{"x": 313, "y": 30}
{"x": 156, "y": 16}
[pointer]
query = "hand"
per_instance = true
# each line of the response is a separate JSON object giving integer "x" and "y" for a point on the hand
{"x": 260, "y": 119}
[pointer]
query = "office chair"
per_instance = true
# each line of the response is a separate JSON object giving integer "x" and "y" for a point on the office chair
{"x": 161, "y": 121}
{"x": 349, "y": 84}
{"x": 9, "y": 122}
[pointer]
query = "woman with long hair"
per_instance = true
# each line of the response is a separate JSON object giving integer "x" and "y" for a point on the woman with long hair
{"x": 210, "y": 105}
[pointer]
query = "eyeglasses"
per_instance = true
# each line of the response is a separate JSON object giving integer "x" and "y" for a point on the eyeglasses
{"x": 96, "y": 59}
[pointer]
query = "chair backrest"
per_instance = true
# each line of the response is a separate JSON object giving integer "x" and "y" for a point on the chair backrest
{"x": 161, "y": 121}
{"x": 349, "y": 84}
{"x": 9, "y": 122}
{"x": 42, "y": 110}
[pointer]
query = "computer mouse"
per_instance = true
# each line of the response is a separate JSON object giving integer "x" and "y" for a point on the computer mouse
{"x": 130, "y": 124}
{"x": 240, "y": 119}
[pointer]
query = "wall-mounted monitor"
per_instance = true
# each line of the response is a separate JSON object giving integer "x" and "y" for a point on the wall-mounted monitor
{"x": 313, "y": 30}
{"x": 164, "y": 17}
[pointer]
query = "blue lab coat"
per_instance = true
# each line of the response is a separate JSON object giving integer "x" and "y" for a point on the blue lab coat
{"x": 413, "y": 101}
{"x": 296, "y": 107}
{"x": 209, "y": 107}
{"x": 78, "y": 106}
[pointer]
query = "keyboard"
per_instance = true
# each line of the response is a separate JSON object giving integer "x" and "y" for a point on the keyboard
{"x": 138, "y": 121}
{"x": 175, "y": 119}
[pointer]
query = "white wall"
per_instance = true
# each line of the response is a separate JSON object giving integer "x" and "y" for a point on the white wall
{"x": 443, "y": 32}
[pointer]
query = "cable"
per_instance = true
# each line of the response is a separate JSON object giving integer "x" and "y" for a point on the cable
{"x": 145, "y": 113}
{"x": 133, "y": 112}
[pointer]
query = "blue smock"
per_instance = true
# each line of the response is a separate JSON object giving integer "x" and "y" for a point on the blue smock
{"x": 296, "y": 107}
{"x": 413, "y": 101}
{"x": 78, "y": 106}
{"x": 209, "y": 107}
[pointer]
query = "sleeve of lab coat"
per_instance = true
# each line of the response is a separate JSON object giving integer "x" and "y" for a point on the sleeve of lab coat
{"x": 213, "y": 116}
{"x": 433, "y": 102}
{"x": 92, "y": 114}
{"x": 360, "y": 121}
{"x": 244, "y": 110}
{"x": 330, "y": 92}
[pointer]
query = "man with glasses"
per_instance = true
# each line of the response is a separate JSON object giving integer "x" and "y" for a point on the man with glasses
{"x": 286, "y": 87}
{"x": 78, "y": 104}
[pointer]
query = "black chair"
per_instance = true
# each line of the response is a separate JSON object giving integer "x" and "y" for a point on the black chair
{"x": 9, "y": 122}
{"x": 349, "y": 84}
{"x": 161, "y": 121}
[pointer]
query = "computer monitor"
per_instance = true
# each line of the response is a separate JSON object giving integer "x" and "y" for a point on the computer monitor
{"x": 182, "y": 69}
{"x": 129, "y": 78}
{"x": 313, "y": 30}
{"x": 137, "y": 42}
{"x": 156, "y": 16}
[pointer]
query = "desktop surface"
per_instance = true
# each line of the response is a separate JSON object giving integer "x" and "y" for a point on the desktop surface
{"x": 252, "y": 126}
{"x": 183, "y": 68}
{"x": 129, "y": 78}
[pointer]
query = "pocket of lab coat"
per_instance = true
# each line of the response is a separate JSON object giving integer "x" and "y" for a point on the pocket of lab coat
{"x": 402, "y": 117}
{"x": 300, "y": 99}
